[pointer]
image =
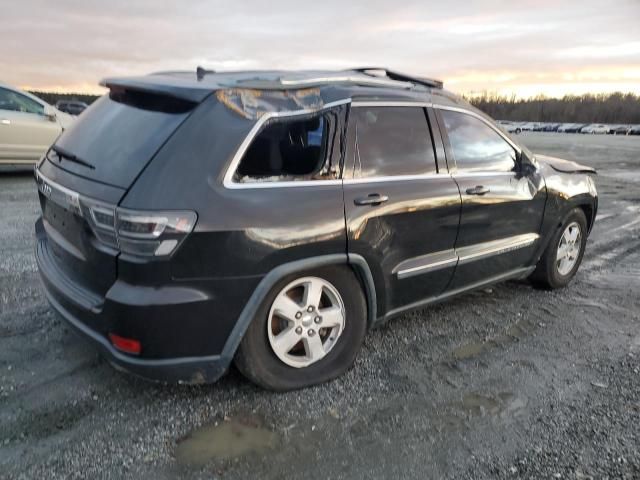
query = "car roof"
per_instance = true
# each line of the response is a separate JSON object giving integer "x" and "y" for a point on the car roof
{"x": 355, "y": 84}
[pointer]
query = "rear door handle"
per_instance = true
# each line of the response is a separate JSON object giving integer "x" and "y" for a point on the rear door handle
{"x": 5, "y": 121}
{"x": 372, "y": 199}
{"x": 477, "y": 190}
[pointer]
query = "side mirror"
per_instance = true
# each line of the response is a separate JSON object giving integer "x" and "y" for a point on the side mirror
{"x": 50, "y": 113}
{"x": 526, "y": 164}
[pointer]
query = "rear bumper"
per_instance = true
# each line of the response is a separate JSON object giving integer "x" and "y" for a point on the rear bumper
{"x": 191, "y": 370}
{"x": 183, "y": 328}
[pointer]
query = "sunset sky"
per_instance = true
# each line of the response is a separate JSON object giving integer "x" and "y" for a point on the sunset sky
{"x": 508, "y": 47}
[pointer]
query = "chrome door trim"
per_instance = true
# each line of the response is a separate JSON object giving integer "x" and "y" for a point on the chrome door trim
{"x": 244, "y": 146}
{"x": 389, "y": 103}
{"x": 459, "y": 256}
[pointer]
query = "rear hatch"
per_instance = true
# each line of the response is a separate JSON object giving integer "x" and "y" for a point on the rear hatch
{"x": 94, "y": 163}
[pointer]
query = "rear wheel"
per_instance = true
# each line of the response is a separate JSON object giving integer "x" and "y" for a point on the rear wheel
{"x": 561, "y": 259}
{"x": 308, "y": 331}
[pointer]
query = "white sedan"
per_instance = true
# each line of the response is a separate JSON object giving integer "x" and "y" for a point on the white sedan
{"x": 28, "y": 126}
{"x": 595, "y": 128}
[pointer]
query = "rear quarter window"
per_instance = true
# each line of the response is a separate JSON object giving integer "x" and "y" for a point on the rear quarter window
{"x": 294, "y": 148}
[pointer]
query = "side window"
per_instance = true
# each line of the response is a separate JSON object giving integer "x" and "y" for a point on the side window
{"x": 392, "y": 141}
{"x": 295, "y": 148}
{"x": 10, "y": 100}
{"x": 475, "y": 145}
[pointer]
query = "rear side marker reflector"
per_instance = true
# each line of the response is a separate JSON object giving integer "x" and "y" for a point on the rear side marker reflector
{"x": 126, "y": 345}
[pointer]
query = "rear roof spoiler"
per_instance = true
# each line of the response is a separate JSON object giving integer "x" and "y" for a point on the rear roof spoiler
{"x": 170, "y": 86}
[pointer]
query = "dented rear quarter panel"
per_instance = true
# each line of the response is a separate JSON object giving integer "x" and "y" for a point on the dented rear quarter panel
{"x": 258, "y": 229}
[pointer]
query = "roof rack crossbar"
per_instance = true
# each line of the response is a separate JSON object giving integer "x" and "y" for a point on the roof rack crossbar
{"x": 403, "y": 77}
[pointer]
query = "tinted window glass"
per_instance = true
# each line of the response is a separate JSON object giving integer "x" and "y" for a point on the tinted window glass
{"x": 392, "y": 141}
{"x": 10, "y": 100}
{"x": 475, "y": 145}
{"x": 299, "y": 148}
{"x": 117, "y": 139}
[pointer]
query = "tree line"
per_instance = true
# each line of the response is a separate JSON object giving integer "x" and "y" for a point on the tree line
{"x": 589, "y": 108}
{"x": 51, "y": 97}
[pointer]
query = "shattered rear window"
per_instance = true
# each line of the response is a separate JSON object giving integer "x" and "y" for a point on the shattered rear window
{"x": 290, "y": 149}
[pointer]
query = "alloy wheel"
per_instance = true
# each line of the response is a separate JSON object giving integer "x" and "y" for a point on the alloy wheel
{"x": 305, "y": 321}
{"x": 569, "y": 248}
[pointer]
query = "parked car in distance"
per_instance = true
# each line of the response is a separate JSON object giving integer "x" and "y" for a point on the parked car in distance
{"x": 528, "y": 126}
{"x": 510, "y": 127}
{"x": 551, "y": 127}
{"x": 189, "y": 219}
{"x": 634, "y": 130}
{"x": 28, "y": 126}
{"x": 595, "y": 128}
{"x": 571, "y": 127}
{"x": 619, "y": 129}
{"x": 72, "y": 107}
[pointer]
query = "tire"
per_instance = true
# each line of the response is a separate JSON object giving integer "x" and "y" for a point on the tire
{"x": 551, "y": 272}
{"x": 518, "y": 131}
{"x": 287, "y": 369}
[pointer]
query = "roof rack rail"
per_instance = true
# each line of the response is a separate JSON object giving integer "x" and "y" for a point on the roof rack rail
{"x": 338, "y": 77}
{"x": 169, "y": 72}
{"x": 402, "y": 77}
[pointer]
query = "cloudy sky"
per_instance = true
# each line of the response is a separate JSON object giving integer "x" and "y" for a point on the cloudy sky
{"x": 525, "y": 47}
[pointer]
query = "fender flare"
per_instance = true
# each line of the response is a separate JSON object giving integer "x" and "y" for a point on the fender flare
{"x": 578, "y": 201}
{"x": 357, "y": 262}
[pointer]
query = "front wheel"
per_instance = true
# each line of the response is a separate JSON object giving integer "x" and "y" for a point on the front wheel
{"x": 561, "y": 259}
{"x": 307, "y": 331}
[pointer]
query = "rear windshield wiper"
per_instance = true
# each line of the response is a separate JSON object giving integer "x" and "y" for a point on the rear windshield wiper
{"x": 62, "y": 153}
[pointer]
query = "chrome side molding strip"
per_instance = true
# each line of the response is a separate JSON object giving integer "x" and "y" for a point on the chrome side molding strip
{"x": 426, "y": 263}
{"x": 460, "y": 256}
{"x": 495, "y": 247}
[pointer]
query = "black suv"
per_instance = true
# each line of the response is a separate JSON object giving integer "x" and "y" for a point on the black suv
{"x": 272, "y": 218}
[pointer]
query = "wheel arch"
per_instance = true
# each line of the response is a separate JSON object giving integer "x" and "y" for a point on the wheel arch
{"x": 356, "y": 262}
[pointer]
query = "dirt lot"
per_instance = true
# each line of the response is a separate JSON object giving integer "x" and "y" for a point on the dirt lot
{"x": 508, "y": 382}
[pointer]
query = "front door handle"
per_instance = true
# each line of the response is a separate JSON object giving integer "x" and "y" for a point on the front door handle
{"x": 477, "y": 190}
{"x": 372, "y": 199}
{"x": 5, "y": 121}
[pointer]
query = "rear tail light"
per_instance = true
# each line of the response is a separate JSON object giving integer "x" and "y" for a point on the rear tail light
{"x": 141, "y": 233}
{"x": 152, "y": 233}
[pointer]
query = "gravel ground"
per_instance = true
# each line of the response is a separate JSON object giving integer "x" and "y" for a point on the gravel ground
{"x": 507, "y": 382}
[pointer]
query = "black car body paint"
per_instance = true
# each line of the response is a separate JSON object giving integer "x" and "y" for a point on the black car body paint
{"x": 433, "y": 236}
